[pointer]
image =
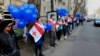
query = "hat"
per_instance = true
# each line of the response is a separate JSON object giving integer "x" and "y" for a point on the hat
{"x": 3, "y": 24}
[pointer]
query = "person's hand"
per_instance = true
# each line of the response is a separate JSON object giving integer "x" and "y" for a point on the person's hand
{"x": 24, "y": 37}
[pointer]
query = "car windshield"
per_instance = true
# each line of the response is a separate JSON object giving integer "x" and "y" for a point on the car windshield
{"x": 97, "y": 19}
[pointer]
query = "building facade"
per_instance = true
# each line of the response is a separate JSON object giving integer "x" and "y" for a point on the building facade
{"x": 8, "y": 2}
{"x": 45, "y": 5}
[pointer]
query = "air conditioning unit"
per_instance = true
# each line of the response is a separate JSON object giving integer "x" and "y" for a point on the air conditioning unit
{"x": 7, "y": 16}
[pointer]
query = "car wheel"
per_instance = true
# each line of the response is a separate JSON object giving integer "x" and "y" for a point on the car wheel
{"x": 94, "y": 24}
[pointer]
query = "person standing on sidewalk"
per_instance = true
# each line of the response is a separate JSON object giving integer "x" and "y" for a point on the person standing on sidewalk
{"x": 37, "y": 32}
{"x": 69, "y": 20}
{"x": 7, "y": 41}
{"x": 65, "y": 24}
{"x": 59, "y": 28}
{"x": 77, "y": 21}
{"x": 81, "y": 20}
{"x": 72, "y": 17}
{"x": 53, "y": 31}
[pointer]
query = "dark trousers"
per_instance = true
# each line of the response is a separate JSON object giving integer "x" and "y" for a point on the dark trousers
{"x": 67, "y": 31}
{"x": 64, "y": 30}
{"x": 73, "y": 25}
{"x": 59, "y": 34}
{"x": 81, "y": 22}
{"x": 52, "y": 37}
{"x": 38, "y": 50}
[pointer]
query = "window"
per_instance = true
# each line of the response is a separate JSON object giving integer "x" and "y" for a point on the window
{"x": 1, "y": 2}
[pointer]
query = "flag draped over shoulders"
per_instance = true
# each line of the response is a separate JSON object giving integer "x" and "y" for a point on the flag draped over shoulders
{"x": 37, "y": 32}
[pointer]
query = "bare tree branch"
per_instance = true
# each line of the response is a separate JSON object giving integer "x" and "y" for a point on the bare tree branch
{"x": 77, "y": 6}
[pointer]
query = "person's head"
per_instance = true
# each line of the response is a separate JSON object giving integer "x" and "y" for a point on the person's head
{"x": 69, "y": 15}
{"x": 63, "y": 20}
{"x": 39, "y": 20}
{"x": 5, "y": 26}
{"x": 52, "y": 16}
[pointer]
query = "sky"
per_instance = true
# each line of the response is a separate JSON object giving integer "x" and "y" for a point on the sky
{"x": 92, "y": 5}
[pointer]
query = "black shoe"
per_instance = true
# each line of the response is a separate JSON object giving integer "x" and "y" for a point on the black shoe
{"x": 53, "y": 45}
{"x": 41, "y": 55}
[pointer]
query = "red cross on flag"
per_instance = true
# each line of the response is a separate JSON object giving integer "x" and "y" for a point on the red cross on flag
{"x": 37, "y": 31}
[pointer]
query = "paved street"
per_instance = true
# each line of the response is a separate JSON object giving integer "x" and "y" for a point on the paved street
{"x": 85, "y": 41}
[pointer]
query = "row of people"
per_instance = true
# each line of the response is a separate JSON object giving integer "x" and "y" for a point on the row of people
{"x": 8, "y": 39}
{"x": 62, "y": 25}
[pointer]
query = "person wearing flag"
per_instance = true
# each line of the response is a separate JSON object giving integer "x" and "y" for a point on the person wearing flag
{"x": 53, "y": 30}
{"x": 37, "y": 32}
{"x": 59, "y": 27}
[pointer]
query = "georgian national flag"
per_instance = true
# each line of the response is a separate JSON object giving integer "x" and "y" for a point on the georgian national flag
{"x": 37, "y": 31}
{"x": 56, "y": 24}
{"x": 51, "y": 22}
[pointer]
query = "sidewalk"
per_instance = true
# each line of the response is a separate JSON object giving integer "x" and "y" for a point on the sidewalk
{"x": 71, "y": 38}
{"x": 28, "y": 49}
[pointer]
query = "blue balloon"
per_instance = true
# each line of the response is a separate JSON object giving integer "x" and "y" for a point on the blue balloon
{"x": 11, "y": 7}
{"x": 32, "y": 7}
{"x": 33, "y": 19}
{"x": 48, "y": 27}
{"x": 16, "y": 13}
{"x": 25, "y": 5}
{"x": 78, "y": 14}
{"x": 21, "y": 24}
{"x": 22, "y": 9}
{"x": 28, "y": 14}
{"x": 62, "y": 12}
{"x": 36, "y": 12}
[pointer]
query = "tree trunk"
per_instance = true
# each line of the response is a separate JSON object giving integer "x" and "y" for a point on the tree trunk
{"x": 77, "y": 7}
{"x": 39, "y": 6}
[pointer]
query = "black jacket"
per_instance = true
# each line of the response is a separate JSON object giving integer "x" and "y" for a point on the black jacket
{"x": 5, "y": 46}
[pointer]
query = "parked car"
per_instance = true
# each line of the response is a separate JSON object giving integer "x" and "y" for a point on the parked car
{"x": 97, "y": 22}
{"x": 88, "y": 20}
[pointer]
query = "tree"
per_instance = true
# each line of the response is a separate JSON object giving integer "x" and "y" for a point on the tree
{"x": 77, "y": 6}
{"x": 83, "y": 11}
